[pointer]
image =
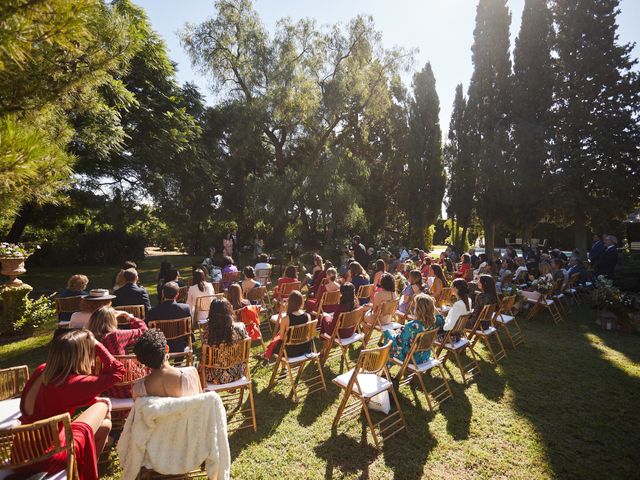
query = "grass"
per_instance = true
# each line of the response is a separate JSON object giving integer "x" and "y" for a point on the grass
{"x": 564, "y": 405}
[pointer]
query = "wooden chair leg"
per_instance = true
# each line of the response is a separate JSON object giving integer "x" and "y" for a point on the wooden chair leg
{"x": 370, "y": 423}
{"x": 253, "y": 408}
{"x": 424, "y": 390}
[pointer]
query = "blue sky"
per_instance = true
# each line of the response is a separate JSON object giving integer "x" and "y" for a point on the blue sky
{"x": 442, "y": 30}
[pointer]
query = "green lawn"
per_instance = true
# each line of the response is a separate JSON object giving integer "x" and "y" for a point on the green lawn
{"x": 564, "y": 405}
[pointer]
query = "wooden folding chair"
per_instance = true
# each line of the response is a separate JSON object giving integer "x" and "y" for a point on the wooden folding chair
{"x": 183, "y": 292}
{"x": 203, "y": 304}
{"x": 560, "y": 298}
{"x": 365, "y": 292}
{"x": 455, "y": 342}
{"x": 328, "y": 298}
{"x": 298, "y": 335}
{"x": 25, "y": 445}
{"x": 135, "y": 310}
{"x": 540, "y": 303}
{"x": 410, "y": 369}
{"x": 175, "y": 330}
{"x": 12, "y": 381}
{"x": 133, "y": 371}
{"x": 369, "y": 378}
{"x": 386, "y": 308}
{"x": 224, "y": 357}
{"x": 504, "y": 317}
{"x": 345, "y": 320}
{"x": 478, "y": 334}
{"x": 67, "y": 305}
{"x": 287, "y": 288}
{"x": 263, "y": 276}
{"x": 228, "y": 278}
{"x": 572, "y": 288}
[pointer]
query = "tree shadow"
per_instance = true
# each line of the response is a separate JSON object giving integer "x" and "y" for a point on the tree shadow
{"x": 457, "y": 411}
{"x": 346, "y": 454}
{"x": 489, "y": 382}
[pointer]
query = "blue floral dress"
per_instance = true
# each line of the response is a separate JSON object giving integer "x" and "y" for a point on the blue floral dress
{"x": 402, "y": 340}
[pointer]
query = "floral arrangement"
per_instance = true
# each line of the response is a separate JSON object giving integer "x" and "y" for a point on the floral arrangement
{"x": 542, "y": 285}
{"x": 606, "y": 295}
{"x": 15, "y": 250}
{"x": 508, "y": 290}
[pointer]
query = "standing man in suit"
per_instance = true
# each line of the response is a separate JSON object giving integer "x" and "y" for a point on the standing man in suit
{"x": 597, "y": 248}
{"x": 606, "y": 262}
{"x": 236, "y": 246}
{"x": 169, "y": 309}
{"x": 131, "y": 293}
{"x": 360, "y": 253}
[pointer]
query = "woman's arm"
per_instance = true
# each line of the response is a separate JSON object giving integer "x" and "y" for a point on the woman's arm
{"x": 284, "y": 325}
{"x": 453, "y": 315}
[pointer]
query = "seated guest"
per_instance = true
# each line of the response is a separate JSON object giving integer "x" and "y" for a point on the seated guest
{"x": 426, "y": 319}
{"x": 263, "y": 262}
{"x": 200, "y": 288}
{"x": 118, "y": 279}
{"x": 76, "y": 286}
{"x": 577, "y": 266}
{"x": 474, "y": 258}
{"x": 290, "y": 275}
{"x": 330, "y": 285}
{"x": 227, "y": 267}
{"x": 359, "y": 278}
{"x": 461, "y": 306}
{"x": 249, "y": 283}
{"x": 223, "y": 329}
{"x": 347, "y": 303}
{"x": 131, "y": 293}
{"x": 161, "y": 276}
{"x": 164, "y": 380}
{"x": 96, "y": 299}
{"x": 425, "y": 269}
{"x": 173, "y": 275}
{"x": 387, "y": 293}
{"x": 104, "y": 326}
{"x": 487, "y": 296}
{"x": 545, "y": 271}
{"x": 318, "y": 267}
{"x": 381, "y": 268}
{"x": 244, "y": 311}
{"x": 169, "y": 309}
{"x": 466, "y": 269}
{"x": 521, "y": 274}
{"x": 559, "y": 274}
{"x": 295, "y": 316}
{"x": 64, "y": 384}
{"x": 415, "y": 286}
{"x": 438, "y": 280}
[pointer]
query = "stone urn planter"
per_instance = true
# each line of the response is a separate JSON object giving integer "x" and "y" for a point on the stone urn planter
{"x": 13, "y": 267}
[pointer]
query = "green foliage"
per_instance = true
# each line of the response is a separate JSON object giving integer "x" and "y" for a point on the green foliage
{"x": 14, "y": 304}
{"x": 36, "y": 313}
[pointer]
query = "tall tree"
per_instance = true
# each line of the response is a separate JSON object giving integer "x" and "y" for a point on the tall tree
{"x": 461, "y": 173}
{"x": 489, "y": 105}
{"x": 597, "y": 138}
{"x": 425, "y": 168}
{"x": 532, "y": 102}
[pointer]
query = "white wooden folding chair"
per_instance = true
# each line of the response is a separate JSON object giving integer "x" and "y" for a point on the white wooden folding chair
{"x": 455, "y": 343}
{"x": 12, "y": 381}
{"x": 345, "y": 320}
{"x": 504, "y": 319}
{"x": 176, "y": 330}
{"x": 479, "y": 334}
{"x": 386, "y": 308}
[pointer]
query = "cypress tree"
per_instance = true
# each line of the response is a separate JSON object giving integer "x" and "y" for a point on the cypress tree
{"x": 597, "y": 138}
{"x": 532, "y": 102}
{"x": 488, "y": 112}
{"x": 425, "y": 172}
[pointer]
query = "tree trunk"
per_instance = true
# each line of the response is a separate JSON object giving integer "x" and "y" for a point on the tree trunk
{"x": 463, "y": 237}
{"x": 580, "y": 232}
{"x": 489, "y": 238}
{"x": 20, "y": 223}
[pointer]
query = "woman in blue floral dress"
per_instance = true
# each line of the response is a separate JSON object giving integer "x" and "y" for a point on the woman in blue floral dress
{"x": 402, "y": 339}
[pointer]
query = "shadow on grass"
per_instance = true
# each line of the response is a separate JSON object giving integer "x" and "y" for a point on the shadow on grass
{"x": 582, "y": 406}
{"x": 347, "y": 455}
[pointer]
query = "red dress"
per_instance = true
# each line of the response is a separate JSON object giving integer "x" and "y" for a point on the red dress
{"x": 312, "y": 304}
{"x": 75, "y": 392}
{"x": 250, "y": 316}
{"x": 117, "y": 342}
{"x": 329, "y": 321}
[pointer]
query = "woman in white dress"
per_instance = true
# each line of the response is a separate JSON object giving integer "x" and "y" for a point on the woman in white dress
{"x": 462, "y": 305}
{"x": 200, "y": 288}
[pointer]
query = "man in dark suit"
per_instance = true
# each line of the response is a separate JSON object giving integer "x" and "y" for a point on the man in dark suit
{"x": 597, "y": 248}
{"x": 236, "y": 246}
{"x": 131, "y": 293}
{"x": 360, "y": 253}
{"x": 606, "y": 263}
{"x": 171, "y": 310}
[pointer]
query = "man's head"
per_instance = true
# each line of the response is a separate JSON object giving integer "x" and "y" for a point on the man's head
{"x": 170, "y": 290}
{"x": 610, "y": 240}
{"x": 263, "y": 258}
{"x": 129, "y": 264}
{"x": 472, "y": 251}
{"x": 130, "y": 275}
{"x": 356, "y": 239}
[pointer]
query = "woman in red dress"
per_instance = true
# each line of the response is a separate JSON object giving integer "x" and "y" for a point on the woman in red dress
{"x": 66, "y": 383}
{"x": 347, "y": 303}
{"x": 290, "y": 275}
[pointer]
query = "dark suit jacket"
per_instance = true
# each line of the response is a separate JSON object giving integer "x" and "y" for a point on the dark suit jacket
{"x": 171, "y": 310}
{"x": 131, "y": 294}
{"x": 606, "y": 263}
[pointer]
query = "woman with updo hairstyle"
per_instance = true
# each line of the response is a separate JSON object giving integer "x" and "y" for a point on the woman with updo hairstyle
{"x": 164, "y": 380}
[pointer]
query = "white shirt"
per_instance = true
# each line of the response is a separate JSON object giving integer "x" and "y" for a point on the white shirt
{"x": 458, "y": 308}
{"x": 79, "y": 319}
{"x": 262, "y": 266}
{"x": 194, "y": 293}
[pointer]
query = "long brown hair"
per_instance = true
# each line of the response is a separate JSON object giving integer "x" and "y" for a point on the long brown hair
{"x": 102, "y": 322}
{"x": 220, "y": 322}
{"x": 235, "y": 296}
{"x": 198, "y": 278}
{"x": 291, "y": 272}
{"x": 295, "y": 301}
{"x": 71, "y": 353}
{"x": 437, "y": 270}
{"x": 489, "y": 287}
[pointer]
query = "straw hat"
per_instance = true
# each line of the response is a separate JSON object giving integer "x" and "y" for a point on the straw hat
{"x": 98, "y": 294}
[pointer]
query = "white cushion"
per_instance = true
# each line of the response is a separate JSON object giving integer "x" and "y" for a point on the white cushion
{"x": 274, "y": 318}
{"x": 9, "y": 413}
{"x": 242, "y": 382}
{"x": 560, "y": 295}
{"x": 459, "y": 344}
{"x": 572, "y": 290}
{"x": 371, "y": 384}
{"x": 488, "y": 331}
{"x": 504, "y": 318}
{"x": 422, "y": 367}
{"x": 61, "y": 475}
{"x": 391, "y": 326}
{"x": 121, "y": 403}
{"x": 356, "y": 337}
{"x": 549, "y": 302}
{"x": 308, "y": 356}
{"x": 588, "y": 284}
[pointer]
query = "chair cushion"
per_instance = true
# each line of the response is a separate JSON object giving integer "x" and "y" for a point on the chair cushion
{"x": 121, "y": 403}
{"x": 488, "y": 331}
{"x": 61, "y": 475}
{"x": 273, "y": 318}
{"x": 391, "y": 326}
{"x": 459, "y": 344}
{"x": 504, "y": 318}
{"x": 371, "y": 384}
{"x": 356, "y": 337}
{"x": 242, "y": 382}
{"x": 10, "y": 413}
{"x": 422, "y": 367}
{"x": 301, "y": 358}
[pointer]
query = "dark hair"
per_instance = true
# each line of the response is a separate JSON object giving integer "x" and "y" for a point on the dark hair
{"x": 199, "y": 278}
{"x": 151, "y": 348}
{"x": 130, "y": 275}
{"x": 449, "y": 264}
{"x": 466, "y": 258}
{"x": 381, "y": 266}
{"x": 463, "y": 290}
{"x": 489, "y": 287}
{"x": 294, "y": 302}
{"x": 234, "y": 294}
{"x": 220, "y": 322}
{"x": 170, "y": 290}
{"x": 418, "y": 277}
{"x": 437, "y": 269}
{"x": 558, "y": 262}
{"x": 164, "y": 266}
{"x": 129, "y": 264}
{"x": 327, "y": 265}
{"x": 356, "y": 270}
{"x": 387, "y": 282}
{"x": 171, "y": 275}
{"x": 227, "y": 260}
{"x": 263, "y": 258}
{"x": 356, "y": 238}
{"x": 291, "y": 272}
{"x": 348, "y": 295}
{"x": 249, "y": 272}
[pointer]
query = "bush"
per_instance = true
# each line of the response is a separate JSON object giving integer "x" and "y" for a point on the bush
{"x": 14, "y": 301}
{"x": 36, "y": 312}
